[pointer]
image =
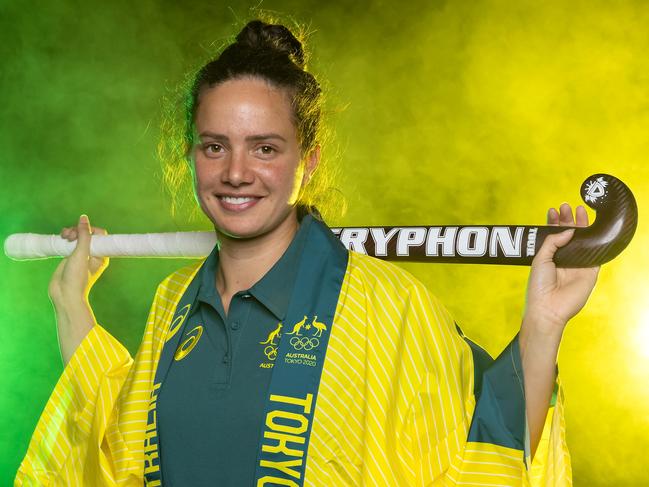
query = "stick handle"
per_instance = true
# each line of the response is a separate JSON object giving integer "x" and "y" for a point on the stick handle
{"x": 23, "y": 246}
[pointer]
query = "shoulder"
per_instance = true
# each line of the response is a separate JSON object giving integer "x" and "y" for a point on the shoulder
{"x": 382, "y": 281}
{"x": 397, "y": 310}
{"x": 166, "y": 298}
{"x": 174, "y": 285}
{"x": 376, "y": 272}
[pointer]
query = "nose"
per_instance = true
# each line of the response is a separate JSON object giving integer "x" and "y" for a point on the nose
{"x": 237, "y": 170}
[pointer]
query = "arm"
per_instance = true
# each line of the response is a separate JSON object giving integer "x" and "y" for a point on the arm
{"x": 70, "y": 286}
{"x": 79, "y": 410}
{"x": 93, "y": 427}
{"x": 554, "y": 296}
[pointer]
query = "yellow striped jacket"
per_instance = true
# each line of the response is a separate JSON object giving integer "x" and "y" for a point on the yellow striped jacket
{"x": 394, "y": 406}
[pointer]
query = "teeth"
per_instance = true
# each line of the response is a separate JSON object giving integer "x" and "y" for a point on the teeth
{"x": 236, "y": 201}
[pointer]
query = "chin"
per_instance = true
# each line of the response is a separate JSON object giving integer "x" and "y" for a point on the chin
{"x": 239, "y": 232}
{"x": 247, "y": 229}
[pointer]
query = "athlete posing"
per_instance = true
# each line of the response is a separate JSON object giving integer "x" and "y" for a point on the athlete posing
{"x": 402, "y": 398}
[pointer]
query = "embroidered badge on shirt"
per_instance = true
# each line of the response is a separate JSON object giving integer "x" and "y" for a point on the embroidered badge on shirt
{"x": 305, "y": 344}
{"x": 270, "y": 350}
{"x": 305, "y": 338}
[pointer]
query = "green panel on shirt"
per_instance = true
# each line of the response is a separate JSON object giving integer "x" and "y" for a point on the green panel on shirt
{"x": 210, "y": 408}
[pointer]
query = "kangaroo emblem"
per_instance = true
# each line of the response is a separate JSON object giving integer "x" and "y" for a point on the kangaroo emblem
{"x": 276, "y": 333}
{"x": 297, "y": 327}
{"x": 319, "y": 326}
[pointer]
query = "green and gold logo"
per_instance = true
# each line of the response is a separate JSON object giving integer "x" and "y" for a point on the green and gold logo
{"x": 270, "y": 350}
{"x": 309, "y": 340}
{"x": 188, "y": 343}
{"x": 305, "y": 337}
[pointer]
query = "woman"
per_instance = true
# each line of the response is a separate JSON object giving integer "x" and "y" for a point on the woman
{"x": 230, "y": 385}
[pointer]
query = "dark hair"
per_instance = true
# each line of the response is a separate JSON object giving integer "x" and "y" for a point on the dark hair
{"x": 270, "y": 52}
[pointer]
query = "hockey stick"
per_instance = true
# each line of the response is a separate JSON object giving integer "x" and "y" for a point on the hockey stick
{"x": 614, "y": 226}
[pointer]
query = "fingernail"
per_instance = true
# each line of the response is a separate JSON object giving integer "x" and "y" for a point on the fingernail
{"x": 83, "y": 218}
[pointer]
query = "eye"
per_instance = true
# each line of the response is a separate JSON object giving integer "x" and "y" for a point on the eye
{"x": 266, "y": 150}
{"x": 212, "y": 148}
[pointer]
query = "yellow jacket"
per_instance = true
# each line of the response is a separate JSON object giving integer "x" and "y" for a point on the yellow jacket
{"x": 394, "y": 408}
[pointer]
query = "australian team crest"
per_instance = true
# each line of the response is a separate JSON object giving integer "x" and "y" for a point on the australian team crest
{"x": 305, "y": 337}
{"x": 270, "y": 350}
{"x": 309, "y": 339}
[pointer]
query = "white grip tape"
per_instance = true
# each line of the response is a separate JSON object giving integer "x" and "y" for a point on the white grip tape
{"x": 23, "y": 246}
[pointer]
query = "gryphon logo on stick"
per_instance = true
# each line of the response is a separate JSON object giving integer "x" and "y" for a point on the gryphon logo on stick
{"x": 596, "y": 189}
{"x": 306, "y": 337}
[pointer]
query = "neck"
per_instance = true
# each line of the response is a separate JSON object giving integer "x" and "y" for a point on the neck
{"x": 243, "y": 262}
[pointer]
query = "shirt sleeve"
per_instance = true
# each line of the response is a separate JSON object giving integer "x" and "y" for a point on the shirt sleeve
{"x": 77, "y": 413}
{"x": 489, "y": 442}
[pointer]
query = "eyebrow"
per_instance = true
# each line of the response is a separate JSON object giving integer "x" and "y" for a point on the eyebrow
{"x": 250, "y": 138}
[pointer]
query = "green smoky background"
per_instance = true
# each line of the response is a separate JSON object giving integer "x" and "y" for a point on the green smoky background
{"x": 451, "y": 112}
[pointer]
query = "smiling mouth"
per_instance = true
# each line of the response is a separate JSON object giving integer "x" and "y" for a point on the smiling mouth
{"x": 239, "y": 200}
{"x": 237, "y": 203}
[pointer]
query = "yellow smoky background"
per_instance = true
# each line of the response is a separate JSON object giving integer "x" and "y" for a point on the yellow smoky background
{"x": 444, "y": 112}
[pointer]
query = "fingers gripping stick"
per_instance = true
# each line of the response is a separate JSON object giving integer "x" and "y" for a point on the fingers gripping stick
{"x": 614, "y": 226}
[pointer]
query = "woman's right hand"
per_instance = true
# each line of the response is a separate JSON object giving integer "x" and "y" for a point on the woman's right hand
{"x": 77, "y": 273}
{"x": 71, "y": 284}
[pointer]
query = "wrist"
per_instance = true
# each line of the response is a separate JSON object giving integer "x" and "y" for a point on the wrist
{"x": 74, "y": 321}
{"x": 70, "y": 305}
{"x": 541, "y": 335}
{"x": 545, "y": 323}
{"x": 75, "y": 316}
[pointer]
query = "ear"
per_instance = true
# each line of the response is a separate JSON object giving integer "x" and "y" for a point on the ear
{"x": 311, "y": 162}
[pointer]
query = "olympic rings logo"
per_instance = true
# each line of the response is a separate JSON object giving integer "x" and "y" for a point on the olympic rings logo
{"x": 270, "y": 352}
{"x": 304, "y": 343}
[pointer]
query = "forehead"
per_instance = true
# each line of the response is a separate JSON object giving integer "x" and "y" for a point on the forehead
{"x": 244, "y": 106}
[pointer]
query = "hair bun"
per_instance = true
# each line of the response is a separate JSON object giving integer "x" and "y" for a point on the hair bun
{"x": 260, "y": 35}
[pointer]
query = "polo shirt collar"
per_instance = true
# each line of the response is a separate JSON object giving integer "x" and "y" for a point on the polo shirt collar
{"x": 274, "y": 290}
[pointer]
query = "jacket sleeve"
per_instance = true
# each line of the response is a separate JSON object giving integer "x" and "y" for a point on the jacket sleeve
{"x": 91, "y": 431}
{"x": 76, "y": 416}
{"x": 480, "y": 436}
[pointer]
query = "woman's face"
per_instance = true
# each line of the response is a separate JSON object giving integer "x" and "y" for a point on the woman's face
{"x": 247, "y": 158}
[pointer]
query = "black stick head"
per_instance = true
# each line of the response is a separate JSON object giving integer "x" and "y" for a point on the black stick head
{"x": 614, "y": 226}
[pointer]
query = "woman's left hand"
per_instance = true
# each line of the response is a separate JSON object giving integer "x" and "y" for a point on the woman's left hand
{"x": 554, "y": 295}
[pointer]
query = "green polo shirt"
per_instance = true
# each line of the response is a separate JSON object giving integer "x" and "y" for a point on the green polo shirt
{"x": 211, "y": 404}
